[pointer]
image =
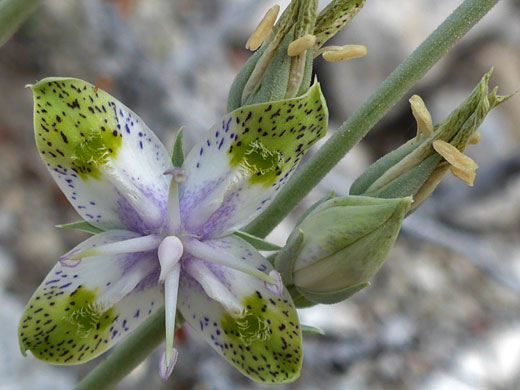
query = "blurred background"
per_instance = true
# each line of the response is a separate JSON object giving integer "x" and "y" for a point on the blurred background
{"x": 443, "y": 313}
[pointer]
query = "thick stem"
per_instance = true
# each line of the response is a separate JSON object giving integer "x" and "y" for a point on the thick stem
{"x": 132, "y": 351}
{"x": 360, "y": 123}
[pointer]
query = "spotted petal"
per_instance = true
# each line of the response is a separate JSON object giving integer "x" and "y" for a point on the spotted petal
{"x": 254, "y": 329}
{"x": 106, "y": 161}
{"x": 80, "y": 311}
{"x": 235, "y": 171}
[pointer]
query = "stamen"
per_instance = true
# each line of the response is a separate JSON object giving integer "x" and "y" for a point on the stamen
{"x": 166, "y": 370}
{"x": 454, "y": 156}
{"x": 462, "y": 166}
{"x": 422, "y": 116}
{"x": 203, "y": 251}
{"x": 139, "y": 244}
{"x": 467, "y": 176}
{"x": 178, "y": 175}
{"x": 299, "y": 46}
{"x": 263, "y": 28}
{"x": 169, "y": 253}
{"x": 174, "y": 213}
{"x": 343, "y": 53}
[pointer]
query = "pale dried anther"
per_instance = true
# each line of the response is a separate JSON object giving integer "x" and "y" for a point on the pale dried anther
{"x": 475, "y": 138}
{"x": 468, "y": 176}
{"x": 299, "y": 46}
{"x": 462, "y": 166}
{"x": 422, "y": 116}
{"x": 343, "y": 53}
{"x": 263, "y": 28}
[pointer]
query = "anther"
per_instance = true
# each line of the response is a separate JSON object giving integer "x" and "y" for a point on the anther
{"x": 343, "y": 53}
{"x": 422, "y": 116}
{"x": 178, "y": 175}
{"x": 462, "y": 166}
{"x": 263, "y": 28}
{"x": 300, "y": 45}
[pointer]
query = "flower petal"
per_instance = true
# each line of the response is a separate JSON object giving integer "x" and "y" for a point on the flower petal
{"x": 237, "y": 169}
{"x": 79, "y": 312}
{"x": 263, "y": 339}
{"x": 106, "y": 161}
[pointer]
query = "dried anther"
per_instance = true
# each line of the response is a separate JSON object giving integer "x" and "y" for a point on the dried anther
{"x": 298, "y": 46}
{"x": 462, "y": 166}
{"x": 263, "y": 28}
{"x": 343, "y": 53}
{"x": 422, "y": 116}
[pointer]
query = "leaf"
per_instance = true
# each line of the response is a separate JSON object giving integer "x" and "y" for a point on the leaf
{"x": 257, "y": 242}
{"x": 178, "y": 153}
{"x": 82, "y": 226}
{"x": 309, "y": 329}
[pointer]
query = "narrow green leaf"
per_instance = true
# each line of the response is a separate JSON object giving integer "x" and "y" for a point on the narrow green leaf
{"x": 178, "y": 153}
{"x": 81, "y": 225}
{"x": 258, "y": 243}
{"x": 309, "y": 329}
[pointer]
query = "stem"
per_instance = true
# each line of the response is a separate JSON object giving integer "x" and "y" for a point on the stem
{"x": 132, "y": 351}
{"x": 360, "y": 123}
{"x": 148, "y": 336}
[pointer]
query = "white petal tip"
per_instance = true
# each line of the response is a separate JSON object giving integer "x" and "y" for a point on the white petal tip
{"x": 165, "y": 367}
{"x": 277, "y": 286}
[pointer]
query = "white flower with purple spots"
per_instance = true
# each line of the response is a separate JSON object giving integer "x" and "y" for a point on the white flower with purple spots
{"x": 166, "y": 234}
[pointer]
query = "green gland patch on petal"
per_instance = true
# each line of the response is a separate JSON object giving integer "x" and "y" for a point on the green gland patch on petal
{"x": 265, "y": 343}
{"x": 65, "y": 328}
{"x": 76, "y": 125}
{"x": 271, "y": 138}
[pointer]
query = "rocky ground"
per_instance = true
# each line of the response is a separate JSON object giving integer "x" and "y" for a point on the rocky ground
{"x": 443, "y": 311}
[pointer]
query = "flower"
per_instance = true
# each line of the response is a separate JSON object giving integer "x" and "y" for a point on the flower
{"x": 167, "y": 232}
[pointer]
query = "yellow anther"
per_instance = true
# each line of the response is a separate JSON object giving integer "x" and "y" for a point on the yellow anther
{"x": 475, "y": 138}
{"x": 468, "y": 176}
{"x": 422, "y": 116}
{"x": 462, "y": 166}
{"x": 301, "y": 44}
{"x": 263, "y": 28}
{"x": 342, "y": 53}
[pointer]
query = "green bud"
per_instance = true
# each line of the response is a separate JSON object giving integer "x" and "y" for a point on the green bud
{"x": 416, "y": 168}
{"x": 339, "y": 246}
{"x": 282, "y": 67}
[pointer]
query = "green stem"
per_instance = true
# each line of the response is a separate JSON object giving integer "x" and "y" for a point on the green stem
{"x": 132, "y": 351}
{"x": 360, "y": 123}
{"x": 12, "y": 15}
{"x": 148, "y": 336}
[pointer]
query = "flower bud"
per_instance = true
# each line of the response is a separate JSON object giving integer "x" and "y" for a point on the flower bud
{"x": 282, "y": 67}
{"x": 339, "y": 246}
{"x": 417, "y": 167}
